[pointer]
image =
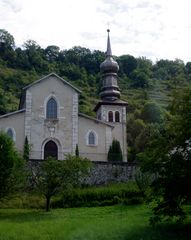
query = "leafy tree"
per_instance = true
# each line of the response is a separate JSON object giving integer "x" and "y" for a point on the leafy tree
{"x": 180, "y": 108}
{"x": 152, "y": 113}
{"x": 127, "y": 64}
{"x": 52, "y": 53}
{"x": 139, "y": 79}
{"x": 26, "y": 151}
{"x": 115, "y": 152}
{"x": 7, "y": 45}
{"x": 77, "y": 151}
{"x": 54, "y": 176}
{"x": 11, "y": 166}
{"x": 169, "y": 157}
{"x": 6, "y": 39}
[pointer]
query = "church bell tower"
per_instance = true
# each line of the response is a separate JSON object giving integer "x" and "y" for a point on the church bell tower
{"x": 111, "y": 108}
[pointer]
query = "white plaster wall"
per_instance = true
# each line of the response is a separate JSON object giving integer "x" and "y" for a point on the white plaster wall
{"x": 15, "y": 121}
{"x": 62, "y": 130}
{"x": 119, "y": 130}
{"x": 98, "y": 152}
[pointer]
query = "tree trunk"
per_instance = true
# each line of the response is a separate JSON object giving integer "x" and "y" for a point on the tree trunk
{"x": 48, "y": 203}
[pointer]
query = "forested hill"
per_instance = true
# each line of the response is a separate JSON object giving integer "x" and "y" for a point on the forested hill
{"x": 140, "y": 79}
{"x": 145, "y": 85}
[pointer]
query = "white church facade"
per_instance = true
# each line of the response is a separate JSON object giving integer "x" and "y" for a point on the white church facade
{"x": 48, "y": 116}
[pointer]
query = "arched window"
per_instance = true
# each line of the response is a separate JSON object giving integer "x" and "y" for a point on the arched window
{"x": 10, "y": 133}
{"x": 51, "y": 109}
{"x": 110, "y": 116}
{"x": 117, "y": 116}
{"x": 50, "y": 150}
{"x": 91, "y": 138}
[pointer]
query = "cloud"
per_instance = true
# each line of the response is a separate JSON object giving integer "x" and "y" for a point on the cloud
{"x": 12, "y": 5}
{"x": 157, "y": 28}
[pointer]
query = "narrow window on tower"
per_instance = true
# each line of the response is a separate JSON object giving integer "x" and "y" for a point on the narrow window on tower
{"x": 117, "y": 116}
{"x": 110, "y": 116}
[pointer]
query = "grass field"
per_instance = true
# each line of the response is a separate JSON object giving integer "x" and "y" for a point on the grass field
{"x": 101, "y": 223}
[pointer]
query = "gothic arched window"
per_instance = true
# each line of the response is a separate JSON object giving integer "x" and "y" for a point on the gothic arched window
{"x": 117, "y": 116}
{"x": 110, "y": 116}
{"x": 91, "y": 138}
{"x": 51, "y": 109}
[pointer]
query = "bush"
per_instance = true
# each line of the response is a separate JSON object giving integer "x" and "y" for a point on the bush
{"x": 99, "y": 196}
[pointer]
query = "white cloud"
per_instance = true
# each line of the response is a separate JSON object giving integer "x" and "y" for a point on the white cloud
{"x": 157, "y": 28}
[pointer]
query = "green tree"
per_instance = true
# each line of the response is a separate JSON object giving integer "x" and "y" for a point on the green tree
{"x": 26, "y": 151}
{"x": 127, "y": 64}
{"x": 180, "y": 123}
{"x": 11, "y": 166}
{"x": 115, "y": 152}
{"x": 77, "y": 151}
{"x": 152, "y": 113}
{"x": 6, "y": 39}
{"x": 54, "y": 176}
{"x": 7, "y": 45}
{"x": 168, "y": 157}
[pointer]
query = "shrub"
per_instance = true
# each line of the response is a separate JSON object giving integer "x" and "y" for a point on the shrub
{"x": 99, "y": 196}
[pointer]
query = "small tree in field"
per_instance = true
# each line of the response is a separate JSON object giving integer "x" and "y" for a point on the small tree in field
{"x": 54, "y": 176}
{"x": 11, "y": 166}
{"x": 77, "y": 151}
{"x": 115, "y": 153}
{"x": 26, "y": 150}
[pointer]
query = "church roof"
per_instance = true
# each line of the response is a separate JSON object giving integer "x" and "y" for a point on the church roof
{"x": 12, "y": 113}
{"x": 94, "y": 119}
{"x": 53, "y": 75}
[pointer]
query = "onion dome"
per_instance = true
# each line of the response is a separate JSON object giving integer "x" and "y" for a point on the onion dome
{"x": 109, "y": 65}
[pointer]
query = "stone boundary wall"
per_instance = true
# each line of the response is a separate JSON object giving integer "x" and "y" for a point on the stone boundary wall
{"x": 107, "y": 172}
{"x": 103, "y": 172}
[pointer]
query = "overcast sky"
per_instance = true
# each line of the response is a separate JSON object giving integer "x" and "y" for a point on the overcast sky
{"x": 156, "y": 29}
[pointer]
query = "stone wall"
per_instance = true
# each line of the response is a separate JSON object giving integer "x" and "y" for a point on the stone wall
{"x": 102, "y": 172}
{"x": 106, "y": 172}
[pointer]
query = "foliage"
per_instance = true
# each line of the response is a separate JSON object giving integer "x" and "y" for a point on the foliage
{"x": 22, "y": 65}
{"x": 180, "y": 107}
{"x": 53, "y": 176}
{"x": 77, "y": 151}
{"x": 152, "y": 113}
{"x": 26, "y": 150}
{"x": 169, "y": 158}
{"x": 115, "y": 152}
{"x": 124, "y": 193}
{"x": 11, "y": 166}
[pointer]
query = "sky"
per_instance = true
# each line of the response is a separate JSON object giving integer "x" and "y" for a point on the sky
{"x": 155, "y": 29}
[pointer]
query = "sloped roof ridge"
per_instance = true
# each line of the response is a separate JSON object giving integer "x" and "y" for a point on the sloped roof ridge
{"x": 95, "y": 119}
{"x": 12, "y": 113}
{"x": 52, "y": 74}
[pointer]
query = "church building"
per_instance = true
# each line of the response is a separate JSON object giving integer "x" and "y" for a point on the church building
{"x": 48, "y": 116}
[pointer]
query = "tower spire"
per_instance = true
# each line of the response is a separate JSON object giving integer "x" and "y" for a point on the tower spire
{"x": 109, "y": 68}
{"x": 108, "y": 52}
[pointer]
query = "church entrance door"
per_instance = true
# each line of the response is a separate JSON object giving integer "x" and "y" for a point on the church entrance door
{"x": 50, "y": 150}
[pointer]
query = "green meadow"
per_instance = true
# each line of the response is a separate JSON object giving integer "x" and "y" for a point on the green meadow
{"x": 97, "y": 223}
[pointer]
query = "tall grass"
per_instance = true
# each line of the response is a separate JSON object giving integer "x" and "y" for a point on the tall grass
{"x": 126, "y": 193}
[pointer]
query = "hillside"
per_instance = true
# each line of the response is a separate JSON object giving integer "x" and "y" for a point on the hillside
{"x": 145, "y": 85}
